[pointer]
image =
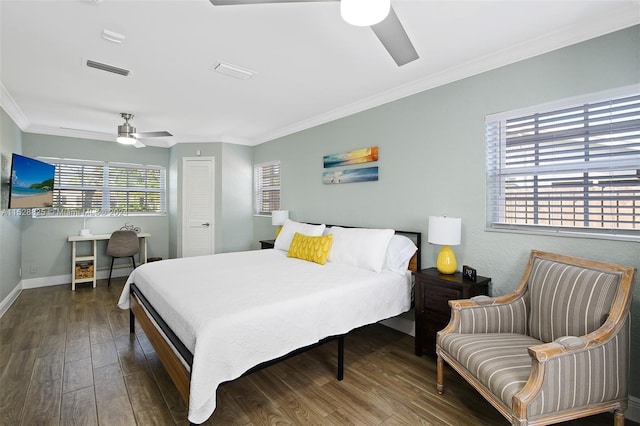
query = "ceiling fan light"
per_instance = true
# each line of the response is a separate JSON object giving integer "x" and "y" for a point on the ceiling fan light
{"x": 363, "y": 13}
{"x": 126, "y": 140}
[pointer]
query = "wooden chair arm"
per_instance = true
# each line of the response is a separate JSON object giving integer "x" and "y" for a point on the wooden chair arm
{"x": 546, "y": 353}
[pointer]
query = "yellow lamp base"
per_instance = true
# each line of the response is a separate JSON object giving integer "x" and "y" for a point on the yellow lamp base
{"x": 446, "y": 263}
{"x": 278, "y": 229}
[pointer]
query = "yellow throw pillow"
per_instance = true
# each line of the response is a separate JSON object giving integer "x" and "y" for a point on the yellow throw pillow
{"x": 314, "y": 249}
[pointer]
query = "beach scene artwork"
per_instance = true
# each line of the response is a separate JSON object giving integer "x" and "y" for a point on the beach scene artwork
{"x": 357, "y": 156}
{"x": 31, "y": 183}
{"x": 366, "y": 174}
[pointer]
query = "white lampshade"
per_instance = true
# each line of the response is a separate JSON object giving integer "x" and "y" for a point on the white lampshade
{"x": 126, "y": 140}
{"x": 279, "y": 217}
{"x": 364, "y": 13}
{"x": 445, "y": 230}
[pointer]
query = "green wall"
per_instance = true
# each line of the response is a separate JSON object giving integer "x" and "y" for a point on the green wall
{"x": 432, "y": 161}
{"x": 45, "y": 248}
{"x": 233, "y": 185}
{"x": 44, "y": 240}
{"x": 10, "y": 226}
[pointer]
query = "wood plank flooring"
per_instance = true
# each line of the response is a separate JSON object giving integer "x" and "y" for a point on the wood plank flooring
{"x": 67, "y": 358}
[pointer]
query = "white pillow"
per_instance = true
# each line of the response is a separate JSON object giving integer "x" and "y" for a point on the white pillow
{"x": 283, "y": 241}
{"x": 399, "y": 254}
{"x": 360, "y": 247}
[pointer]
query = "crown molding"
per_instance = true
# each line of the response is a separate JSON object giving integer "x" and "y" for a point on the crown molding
{"x": 625, "y": 16}
{"x": 12, "y": 109}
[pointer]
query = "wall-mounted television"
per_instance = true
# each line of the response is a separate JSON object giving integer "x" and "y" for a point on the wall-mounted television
{"x": 31, "y": 183}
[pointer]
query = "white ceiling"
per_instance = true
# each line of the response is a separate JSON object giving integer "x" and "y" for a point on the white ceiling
{"x": 311, "y": 67}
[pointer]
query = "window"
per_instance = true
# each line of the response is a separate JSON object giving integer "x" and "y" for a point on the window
{"x": 267, "y": 187}
{"x": 95, "y": 187}
{"x": 573, "y": 168}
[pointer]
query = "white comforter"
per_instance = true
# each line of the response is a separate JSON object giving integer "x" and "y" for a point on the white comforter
{"x": 236, "y": 310}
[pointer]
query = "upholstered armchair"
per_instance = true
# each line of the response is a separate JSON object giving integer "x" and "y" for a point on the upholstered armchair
{"x": 555, "y": 349}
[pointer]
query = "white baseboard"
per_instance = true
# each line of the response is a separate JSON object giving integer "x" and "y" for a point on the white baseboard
{"x": 8, "y": 301}
{"x": 633, "y": 410}
{"x": 66, "y": 279}
{"x": 54, "y": 280}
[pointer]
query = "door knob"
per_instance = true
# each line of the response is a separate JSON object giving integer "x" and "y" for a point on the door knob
{"x": 206, "y": 224}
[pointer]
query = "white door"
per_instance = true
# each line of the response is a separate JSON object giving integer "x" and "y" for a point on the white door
{"x": 197, "y": 206}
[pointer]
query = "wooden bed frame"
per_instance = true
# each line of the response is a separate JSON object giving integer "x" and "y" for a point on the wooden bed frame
{"x": 148, "y": 318}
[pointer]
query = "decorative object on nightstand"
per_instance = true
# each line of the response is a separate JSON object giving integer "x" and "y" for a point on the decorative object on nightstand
{"x": 432, "y": 311}
{"x": 278, "y": 218}
{"x": 469, "y": 273}
{"x": 445, "y": 231}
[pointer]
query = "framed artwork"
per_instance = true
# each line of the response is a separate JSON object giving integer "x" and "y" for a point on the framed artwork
{"x": 366, "y": 174}
{"x": 357, "y": 156}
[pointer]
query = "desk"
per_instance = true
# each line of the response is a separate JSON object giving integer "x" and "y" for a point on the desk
{"x": 91, "y": 259}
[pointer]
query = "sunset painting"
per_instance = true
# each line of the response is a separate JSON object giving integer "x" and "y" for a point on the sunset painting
{"x": 357, "y": 156}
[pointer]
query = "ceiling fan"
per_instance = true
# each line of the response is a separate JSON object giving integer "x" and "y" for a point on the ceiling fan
{"x": 385, "y": 23}
{"x": 127, "y": 134}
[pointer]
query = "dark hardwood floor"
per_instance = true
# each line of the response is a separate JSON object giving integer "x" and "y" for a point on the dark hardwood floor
{"x": 67, "y": 358}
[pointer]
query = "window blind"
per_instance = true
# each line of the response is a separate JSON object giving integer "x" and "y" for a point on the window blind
{"x": 93, "y": 187}
{"x": 575, "y": 167}
{"x": 267, "y": 187}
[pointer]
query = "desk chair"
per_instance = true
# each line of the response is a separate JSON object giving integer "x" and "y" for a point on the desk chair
{"x": 122, "y": 244}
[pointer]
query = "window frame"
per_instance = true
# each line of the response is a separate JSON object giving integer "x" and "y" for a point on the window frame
{"x": 497, "y": 173}
{"x": 106, "y": 187}
{"x": 259, "y": 189}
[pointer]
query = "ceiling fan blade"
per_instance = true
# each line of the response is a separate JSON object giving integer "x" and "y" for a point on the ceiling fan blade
{"x": 151, "y": 134}
{"x": 239, "y": 2}
{"x": 139, "y": 144}
{"x": 394, "y": 38}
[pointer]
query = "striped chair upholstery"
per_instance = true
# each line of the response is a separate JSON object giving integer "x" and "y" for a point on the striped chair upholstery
{"x": 568, "y": 300}
{"x": 552, "y": 350}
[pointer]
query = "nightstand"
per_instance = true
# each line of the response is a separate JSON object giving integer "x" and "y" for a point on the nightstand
{"x": 267, "y": 244}
{"x": 433, "y": 291}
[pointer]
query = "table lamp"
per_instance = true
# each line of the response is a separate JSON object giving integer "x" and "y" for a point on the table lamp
{"x": 278, "y": 218}
{"x": 445, "y": 231}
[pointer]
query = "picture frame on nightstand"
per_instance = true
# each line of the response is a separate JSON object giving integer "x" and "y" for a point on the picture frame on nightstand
{"x": 468, "y": 273}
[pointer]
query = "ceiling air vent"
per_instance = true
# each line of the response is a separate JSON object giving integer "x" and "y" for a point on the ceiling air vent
{"x": 106, "y": 67}
{"x": 233, "y": 71}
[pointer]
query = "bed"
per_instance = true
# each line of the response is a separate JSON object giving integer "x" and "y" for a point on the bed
{"x": 212, "y": 319}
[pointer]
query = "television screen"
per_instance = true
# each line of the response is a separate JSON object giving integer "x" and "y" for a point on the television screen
{"x": 31, "y": 183}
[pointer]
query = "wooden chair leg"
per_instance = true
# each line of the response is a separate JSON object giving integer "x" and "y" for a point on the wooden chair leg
{"x": 440, "y": 375}
{"x": 110, "y": 270}
{"x": 618, "y": 418}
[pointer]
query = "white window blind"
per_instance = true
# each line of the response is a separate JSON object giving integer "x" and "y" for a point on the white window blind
{"x": 94, "y": 187}
{"x": 267, "y": 187}
{"x": 575, "y": 168}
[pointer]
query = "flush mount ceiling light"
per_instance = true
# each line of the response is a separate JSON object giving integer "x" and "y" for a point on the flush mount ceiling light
{"x": 364, "y": 13}
{"x": 113, "y": 36}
